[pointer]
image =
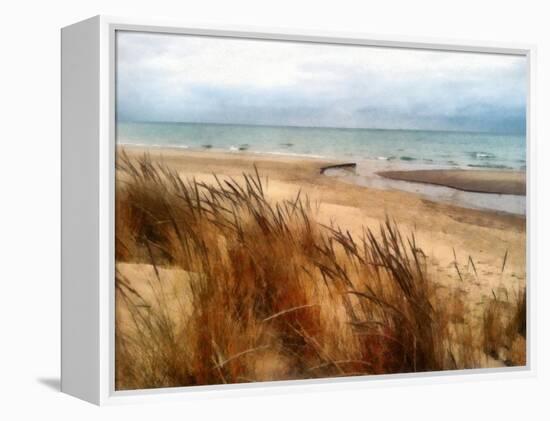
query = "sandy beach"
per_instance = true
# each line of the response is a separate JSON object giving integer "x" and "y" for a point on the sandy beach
{"x": 474, "y": 259}
{"x": 442, "y": 230}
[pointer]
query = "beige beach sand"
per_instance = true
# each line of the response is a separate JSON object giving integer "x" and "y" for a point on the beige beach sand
{"x": 483, "y": 181}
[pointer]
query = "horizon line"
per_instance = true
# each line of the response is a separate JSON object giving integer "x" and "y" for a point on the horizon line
{"x": 521, "y": 132}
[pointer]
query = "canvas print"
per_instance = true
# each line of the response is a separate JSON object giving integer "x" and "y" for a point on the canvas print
{"x": 299, "y": 210}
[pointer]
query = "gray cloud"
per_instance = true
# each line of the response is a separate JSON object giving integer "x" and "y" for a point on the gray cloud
{"x": 201, "y": 79}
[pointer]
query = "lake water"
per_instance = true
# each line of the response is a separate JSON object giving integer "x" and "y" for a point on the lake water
{"x": 449, "y": 149}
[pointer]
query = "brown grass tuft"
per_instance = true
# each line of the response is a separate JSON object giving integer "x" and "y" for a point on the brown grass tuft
{"x": 504, "y": 329}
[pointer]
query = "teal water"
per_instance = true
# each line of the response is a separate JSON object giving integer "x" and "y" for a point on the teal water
{"x": 448, "y": 149}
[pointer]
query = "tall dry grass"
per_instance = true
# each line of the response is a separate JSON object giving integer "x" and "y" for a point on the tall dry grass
{"x": 268, "y": 292}
{"x": 505, "y": 328}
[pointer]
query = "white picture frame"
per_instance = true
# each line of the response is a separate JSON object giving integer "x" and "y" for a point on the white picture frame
{"x": 88, "y": 148}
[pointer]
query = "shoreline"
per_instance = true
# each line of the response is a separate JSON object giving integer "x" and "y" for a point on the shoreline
{"x": 395, "y": 165}
{"x": 232, "y": 152}
{"x": 486, "y": 190}
{"x": 394, "y": 162}
{"x": 362, "y": 178}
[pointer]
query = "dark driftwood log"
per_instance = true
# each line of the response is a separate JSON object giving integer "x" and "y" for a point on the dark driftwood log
{"x": 346, "y": 165}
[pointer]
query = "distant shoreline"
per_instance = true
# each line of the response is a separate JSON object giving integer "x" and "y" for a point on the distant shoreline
{"x": 246, "y": 149}
{"x": 230, "y": 152}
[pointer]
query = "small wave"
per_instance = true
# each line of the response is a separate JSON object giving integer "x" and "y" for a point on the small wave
{"x": 385, "y": 158}
{"x": 287, "y": 145}
{"x": 243, "y": 147}
{"x": 207, "y": 146}
{"x": 293, "y": 154}
{"x": 482, "y": 155}
{"x": 407, "y": 158}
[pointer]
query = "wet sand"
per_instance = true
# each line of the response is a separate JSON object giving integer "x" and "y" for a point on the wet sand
{"x": 481, "y": 181}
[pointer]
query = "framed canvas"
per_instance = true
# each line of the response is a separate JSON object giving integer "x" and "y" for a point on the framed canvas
{"x": 245, "y": 210}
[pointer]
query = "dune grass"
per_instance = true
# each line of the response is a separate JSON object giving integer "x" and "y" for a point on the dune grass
{"x": 505, "y": 328}
{"x": 268, "y": 293}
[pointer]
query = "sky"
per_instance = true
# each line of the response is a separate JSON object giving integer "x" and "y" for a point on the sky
{"x": 181, "y": 78}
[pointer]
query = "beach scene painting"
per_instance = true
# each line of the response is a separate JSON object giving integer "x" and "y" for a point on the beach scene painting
{"x": 298, "y": 210}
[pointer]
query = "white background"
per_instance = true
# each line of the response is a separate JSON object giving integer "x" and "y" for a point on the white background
{"x": 29, "y": 206}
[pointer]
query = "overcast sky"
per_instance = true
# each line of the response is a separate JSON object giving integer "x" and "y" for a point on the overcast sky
{"x": 220, "y": 80}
